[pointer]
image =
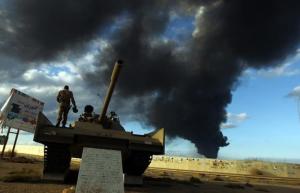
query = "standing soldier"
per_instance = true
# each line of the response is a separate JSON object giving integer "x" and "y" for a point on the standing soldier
{"x": 64, "y": 98}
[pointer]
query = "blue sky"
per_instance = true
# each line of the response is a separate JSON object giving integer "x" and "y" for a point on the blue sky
{"x": 272, "y": 129}
{"x": 263, "y": 122}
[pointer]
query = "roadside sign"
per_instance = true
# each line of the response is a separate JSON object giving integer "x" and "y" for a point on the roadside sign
{"x": 20, "y": 111}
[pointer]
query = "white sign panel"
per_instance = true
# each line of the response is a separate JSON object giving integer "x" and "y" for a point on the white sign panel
{"x": 20, "y": 111}
{"x": 100, "y": 172}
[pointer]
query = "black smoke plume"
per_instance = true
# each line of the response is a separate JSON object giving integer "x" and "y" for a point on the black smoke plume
{"x": 184, "y": 87}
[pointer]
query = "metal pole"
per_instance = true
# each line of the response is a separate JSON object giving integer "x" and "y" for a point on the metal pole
{"x": 15, "y": 142}
{"x": 5, "y": 142}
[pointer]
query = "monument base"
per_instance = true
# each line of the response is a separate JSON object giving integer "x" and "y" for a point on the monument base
{"x": 133, "y": 180}
{"x": 100, "y": 171}
{"x": 53, "y": 177}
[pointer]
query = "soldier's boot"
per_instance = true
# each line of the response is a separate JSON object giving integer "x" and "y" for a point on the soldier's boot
{"x": 57, "y": 124}
{"x": 64, "y": 124}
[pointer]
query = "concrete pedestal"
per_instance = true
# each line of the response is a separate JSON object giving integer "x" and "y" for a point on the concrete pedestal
{"x": 133, "y": 180}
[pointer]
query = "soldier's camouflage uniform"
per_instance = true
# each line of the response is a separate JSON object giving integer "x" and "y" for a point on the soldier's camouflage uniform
{"x": 64, "y": 97}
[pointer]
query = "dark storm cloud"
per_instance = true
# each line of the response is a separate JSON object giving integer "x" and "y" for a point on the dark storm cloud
{"x": 44, "y": 28}
{"x": 259, "y": 32}
{"x": 184, "y": 90}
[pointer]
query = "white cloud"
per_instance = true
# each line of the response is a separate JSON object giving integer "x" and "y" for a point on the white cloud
{"x": 283, "y": 70}
{"x": 40, "y": 90}
{"x": 180, "y": 147}
{"x": 4, "y": 90}
{"x": 5, "y": 23}
{"x": 287, "y": 69}
{"x": 228, "y": 125}
{"x": 233, "y": 120}
{"x": 237, "y": 117}
{"x": 65, "y": 77}
{"x": 58, "y": 74}
{"x": 85, "y": 63}
{"x": 295, "y": 92}
{"x": 198, "y": 18}
{"x": 30, "y": 74}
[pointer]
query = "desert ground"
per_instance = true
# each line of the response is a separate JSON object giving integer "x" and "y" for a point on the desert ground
{"x": 23, "y": 175}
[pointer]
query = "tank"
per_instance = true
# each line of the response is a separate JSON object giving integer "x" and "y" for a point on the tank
{"x": 96, "y": 131}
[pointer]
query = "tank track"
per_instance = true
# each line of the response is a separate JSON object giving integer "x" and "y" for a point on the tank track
{"x": 137, "y": 163}
{"x": 57, "y": 158}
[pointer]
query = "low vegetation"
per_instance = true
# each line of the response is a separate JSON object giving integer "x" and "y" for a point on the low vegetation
{"x": 262, "y": 190}
{"x": 23, "y": 175}
{"x": 234, "y": 186}
{"x": 249, "y": 185}
{"x": 218, "y": 178}
{"x": 9, "y": 153}
{"x": 195, "y": 180}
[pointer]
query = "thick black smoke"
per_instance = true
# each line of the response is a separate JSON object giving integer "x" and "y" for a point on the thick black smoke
{"x": 42, "y": 29}
{"x": 184, "y": 87}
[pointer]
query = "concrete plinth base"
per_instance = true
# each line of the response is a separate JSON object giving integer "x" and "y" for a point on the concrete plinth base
{"x": 133, "y": 180}
{"x": 53, "y": 177}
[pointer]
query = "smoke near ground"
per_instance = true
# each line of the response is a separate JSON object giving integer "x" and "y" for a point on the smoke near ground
{"x": 183, "y": 86}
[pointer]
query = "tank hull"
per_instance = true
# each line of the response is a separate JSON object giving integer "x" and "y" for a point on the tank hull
{"x": 62, "y": 144}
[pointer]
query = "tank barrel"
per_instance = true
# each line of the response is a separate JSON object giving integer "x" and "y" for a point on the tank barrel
{"x": 113, "y": 80}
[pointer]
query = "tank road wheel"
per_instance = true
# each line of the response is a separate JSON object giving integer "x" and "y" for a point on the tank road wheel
{"x": 57, "y": 159}
{"x": 137, "y": 163}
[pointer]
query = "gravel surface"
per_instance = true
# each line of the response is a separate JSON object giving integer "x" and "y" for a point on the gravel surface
{"x": 153, "y": 183}
{"x": 155, "y": 187}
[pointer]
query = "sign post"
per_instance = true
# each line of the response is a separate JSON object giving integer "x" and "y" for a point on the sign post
{"x": 2, "y": 139}
{"x": 15, "y": 142}
{"x": 5, "y": 143}
{"x": 100, "y": 171}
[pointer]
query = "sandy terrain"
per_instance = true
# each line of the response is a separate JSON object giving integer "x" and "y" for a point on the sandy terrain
{"x": 154, "y": 187}
{"x": 25, "y": 178}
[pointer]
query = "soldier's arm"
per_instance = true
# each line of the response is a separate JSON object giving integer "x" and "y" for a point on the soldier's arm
{"x": 72, "y": 99}
{"x": 58, "y": 97}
